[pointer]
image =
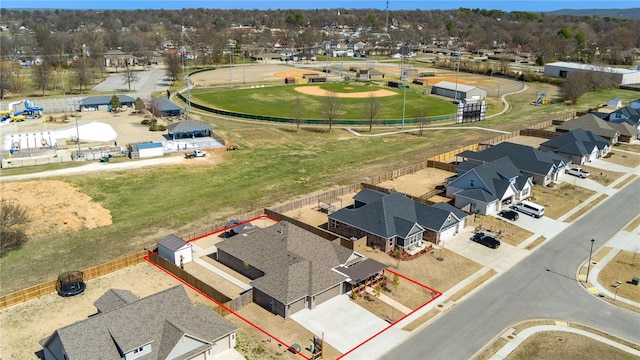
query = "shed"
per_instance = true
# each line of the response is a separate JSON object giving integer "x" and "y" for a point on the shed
{"x": 189, "y": 128}
{"x": 163, "y": 107}
{"x": 176, "y": 250}
{"x": 102, "y": 102}
{"x": 458, "y": 91}
{"x": 146, "y": 150}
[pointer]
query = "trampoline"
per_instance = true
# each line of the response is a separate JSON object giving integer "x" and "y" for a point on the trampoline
{"x": 70, "y": 283}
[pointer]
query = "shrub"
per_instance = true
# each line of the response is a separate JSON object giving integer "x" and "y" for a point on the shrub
{"x": 145, "y": 122}
{"x": 153, "y": 128}
{"x": 161, "y": 128}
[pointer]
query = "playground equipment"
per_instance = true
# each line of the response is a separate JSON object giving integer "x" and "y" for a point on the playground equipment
{"x": 71, "y": 283}
{"x": 541, "y": 100}
{"x": 20, "y": 115}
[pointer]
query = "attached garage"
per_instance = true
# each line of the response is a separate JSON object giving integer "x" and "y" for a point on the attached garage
{"x": 450, "y": 232}
{"x": 327, "y": 294}
{"x": 296, "y": 306}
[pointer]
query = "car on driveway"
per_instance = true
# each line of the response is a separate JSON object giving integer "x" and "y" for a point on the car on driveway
{"x": 486, "y": 240}
{"x": 579, "y": 172}
{"x": 509, "y": 214}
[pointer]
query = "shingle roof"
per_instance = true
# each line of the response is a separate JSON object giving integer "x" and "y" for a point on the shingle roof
{"x": 163, "y": 104}
{"x": 525, "y": 158}
{"x": 590, "y": 122}
{"x": 142, "y": 322}
{"x": 113, "y": 299}
{"x": 577, "y": 142}
{"x": 392, "y": 215}
{"x": 296, "y": 262}
{"x": 172, "y": 242}
{"x": 188, "y": 126}
{"x": 624, "y": 128}
{"x": 496, "y": 177}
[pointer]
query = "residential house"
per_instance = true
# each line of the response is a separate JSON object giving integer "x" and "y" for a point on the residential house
{"x": 165, "y": 325}
{"x": 542, "y": 167}
{"x": 292, "y": 269}
{"x": 629, "y": 114}
{"x": 578, "y": 145}
{"x": 489, "y": 187}
{"x": 393, "y": 220}
{"x": 592, "y": 123}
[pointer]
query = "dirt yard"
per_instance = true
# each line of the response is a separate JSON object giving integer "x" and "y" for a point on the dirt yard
{"x": 55, "y": 206}
{"x": 418, "y": 183}
{"x": 23, "y": 325}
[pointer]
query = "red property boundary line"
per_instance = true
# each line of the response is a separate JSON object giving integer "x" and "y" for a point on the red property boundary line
{"x": 287, "y": 346}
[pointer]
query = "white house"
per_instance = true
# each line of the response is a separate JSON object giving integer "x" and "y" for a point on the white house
{"x": 176, "y": 250}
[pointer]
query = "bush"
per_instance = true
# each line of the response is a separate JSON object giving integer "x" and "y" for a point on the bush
{"x": 157, "y": 128}
{"x": 162, "y": 128}
{"x": 153, "y": 128}
{"x": 145, "y": 122}
{"x": 13, "y": 219}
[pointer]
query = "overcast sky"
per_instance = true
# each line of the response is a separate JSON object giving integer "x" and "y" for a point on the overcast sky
{"x": 514, "y": 5}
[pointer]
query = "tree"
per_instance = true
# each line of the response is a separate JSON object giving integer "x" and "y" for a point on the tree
{"x": 82, "y": 73}
{"x": 332, "y": 109}
{"x": 139, "y": 104}
{"x": 376, "y": 290}
{"x": 115, "y": 103}
{"x": 297, "y": 112}
{"x": 420, "y": 113}
{"x": 41, "y": 76}
{"x": 6, "y": 78}
{"x": 173, "y": 66}
{"x": 576, "y": 85}
{"x": 128, "y": 76}
{"x": 13, "y": 219}
{"x": 395, "y": 282}
{"x": 372, "y": 110}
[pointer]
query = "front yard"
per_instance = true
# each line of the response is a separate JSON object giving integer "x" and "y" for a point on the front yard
{"x": 559, "y": 199}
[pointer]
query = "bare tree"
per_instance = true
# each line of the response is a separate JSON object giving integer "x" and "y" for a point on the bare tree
{"x": 128, "y": 76}
{"x": 420, "y": 113}
{"x": 6, "y": 78}
{"x": 82, "y": 73}
{"x": 297, "y": 112}
{"x": 13, "y": 219}
{"x": 173, "y": 66}
{"x": 41, "y": 76}
{"x": 372, "y": 110}
{"x": 576, "y": 85}
{"x": 332, "y": 109}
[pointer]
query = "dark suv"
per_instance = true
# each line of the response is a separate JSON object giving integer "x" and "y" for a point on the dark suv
{"x": 509, "y": 214}
{"x": 486, "y": 240}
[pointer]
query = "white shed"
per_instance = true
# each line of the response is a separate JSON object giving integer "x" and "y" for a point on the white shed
{"x": 176, "y": 250}
{"x": 615, "y": 103}
{"x": 150, "y": 149}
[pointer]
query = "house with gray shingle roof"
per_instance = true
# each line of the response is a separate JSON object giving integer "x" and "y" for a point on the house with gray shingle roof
{"x": 164, "y": 325}
{"x": 542, "y": 167}
{"x": 489, "y": 187}
{"x": 629, "y": 114}
{"x": 592, "y": 123}
{"x": 579, "y": 145}
{"x": 392, "y": 220}
{"x": 291, "y": 269}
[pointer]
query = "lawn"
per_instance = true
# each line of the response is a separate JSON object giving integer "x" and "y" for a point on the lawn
{"x": 623, "y": 267}
{"x": 560, "y": 199}
{"x": 277, "y": 101}
{"x": 275, "y": 164}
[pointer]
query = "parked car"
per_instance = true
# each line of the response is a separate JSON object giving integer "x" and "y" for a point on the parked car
{"x": 194, "y": 154}
{"x": 509, "y": 215}
{"x": 529, "y": 208}
{"x": 579, "y": 172}
{"x": 486, "y": 240}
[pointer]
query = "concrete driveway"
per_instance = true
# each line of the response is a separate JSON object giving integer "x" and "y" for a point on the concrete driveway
{"x": 344, "y": 323}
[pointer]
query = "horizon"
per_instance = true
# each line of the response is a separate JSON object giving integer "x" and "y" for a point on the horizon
{"x": 507, "y": 6}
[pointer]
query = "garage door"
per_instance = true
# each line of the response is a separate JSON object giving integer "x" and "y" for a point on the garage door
{"x": 328, "y": 294}
{"x": 491, "y": 207}
{"x": 298, "y": 305}
{"x": 448, "y": 233}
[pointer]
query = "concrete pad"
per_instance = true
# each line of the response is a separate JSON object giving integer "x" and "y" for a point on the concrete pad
{"x": 344, "y": 323}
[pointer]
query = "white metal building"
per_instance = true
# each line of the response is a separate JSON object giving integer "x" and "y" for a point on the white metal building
{"x": 458, "y": 91}
{"x": 619, "y": 75}
{"x": 176, "y": 250}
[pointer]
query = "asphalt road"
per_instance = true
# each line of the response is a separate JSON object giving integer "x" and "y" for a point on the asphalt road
{"x": 542, "y": 286}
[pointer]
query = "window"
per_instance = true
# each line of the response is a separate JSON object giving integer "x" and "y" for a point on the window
{"x": 140, "y": 349}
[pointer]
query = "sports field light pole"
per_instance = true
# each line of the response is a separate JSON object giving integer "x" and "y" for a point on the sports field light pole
{"x": 589, "y": 264}
{"x": 404, "y": 93}
{"x": 230, "y": 66}
{"x": 455, "y": 97}
{"x": 243, "y": 49}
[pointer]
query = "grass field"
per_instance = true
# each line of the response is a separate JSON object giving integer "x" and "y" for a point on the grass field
{"x": 277, "y": 101}
{"x": 275, "y": 164}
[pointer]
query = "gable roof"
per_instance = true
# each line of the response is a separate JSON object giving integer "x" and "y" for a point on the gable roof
{"x": 139, "y": 323}
{"x": 592, "y": 123}
{"x": 525, "y": 158}
{"x": 628, "y": 114}
{"x": 162, "y": 104}
{"x": 295, "y": 262}
{"x": 496, "y": 177}
{"x": 105, "y": 100}
{"x": 577, "y": 142}
{"x": 453, "y": 86}
{"x": 172, "y": 242}
{"x": 393, "y": 214}
{"x": 113, "y": 299}
{"x": 624, "y": 128}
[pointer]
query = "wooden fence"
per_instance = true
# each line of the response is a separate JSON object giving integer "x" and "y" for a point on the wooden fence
{"x": 90, "y": 273}
{"x": 232, "y": 304}
{"x": 546, "y": 134}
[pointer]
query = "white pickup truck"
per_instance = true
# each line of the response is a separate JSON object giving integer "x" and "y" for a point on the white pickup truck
{"x": 579, "y": 172}
{"x": 195, "y": 154}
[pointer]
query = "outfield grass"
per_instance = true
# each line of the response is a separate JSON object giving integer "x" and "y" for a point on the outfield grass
{"x": 275, "y": 164}
{"x": 277, "y": 101}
